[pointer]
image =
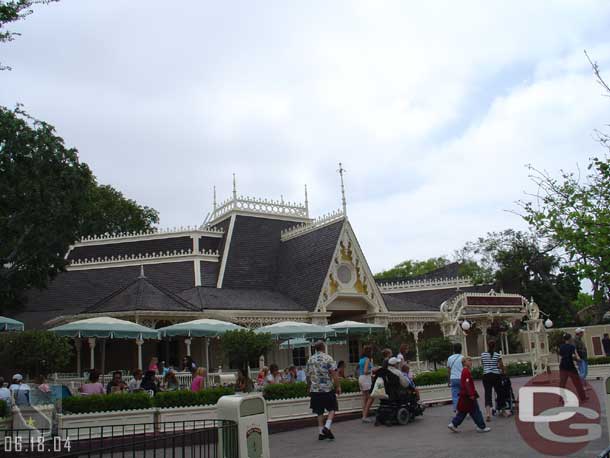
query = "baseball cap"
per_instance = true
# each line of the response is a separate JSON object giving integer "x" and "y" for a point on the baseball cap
{"x": 393, "y": 361}
{"x": 18, "y": 377}
{"x": 579, "y": 330}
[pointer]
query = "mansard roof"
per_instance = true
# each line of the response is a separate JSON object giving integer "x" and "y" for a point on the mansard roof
{"x": 141, "y": 294}
{"x": 427, "y": 300}
{"x": 304, "y": 262}
{"x": 239, "y": 299}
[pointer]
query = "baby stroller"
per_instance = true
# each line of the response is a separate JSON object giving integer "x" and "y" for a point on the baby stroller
{"x": 402, "y": 405}
{"x": 505, "y": 399}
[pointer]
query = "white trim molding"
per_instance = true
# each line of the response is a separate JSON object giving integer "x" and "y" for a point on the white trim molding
{"x": 425, "y": 284}
{"x": 225, "y": 252}
{"x": 155, "y": 234}
{"x": 142, "y": 259}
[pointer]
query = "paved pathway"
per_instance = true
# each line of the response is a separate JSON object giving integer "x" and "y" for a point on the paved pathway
{"x": 427, "y": 437}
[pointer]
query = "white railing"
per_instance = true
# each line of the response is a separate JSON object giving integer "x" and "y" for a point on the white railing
{"x": 304, "y": 228}
{"x": 257, "y": 205}
{"x": 152, "y": 232}
{"x": 432, "y": 283}
{"x": 143, "y": 257}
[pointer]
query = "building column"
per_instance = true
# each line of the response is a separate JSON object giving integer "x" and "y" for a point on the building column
{"x": 78, "y": 345}
{"x": 187, "y": 342}
{"x": 506, "y": 344}
{"x": 465, "y": 343}
{"x": 484, "y": 334}
{"x": 415, "y": 329}
{"x": 416, "y": 337}
{"x": 91, "y": 341}
{"x": 139, "y": 343}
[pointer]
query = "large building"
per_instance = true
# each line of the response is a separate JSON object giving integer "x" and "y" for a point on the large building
{"x": 255, "y": 262}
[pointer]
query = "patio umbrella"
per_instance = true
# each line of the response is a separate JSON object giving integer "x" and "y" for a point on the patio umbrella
{"x": 204, "y": 327}
{"x": 356, "y": 328}
{"x": 8, "y": 324}
{"x": 295, "y": 330}
{"x": 107, "y": 327}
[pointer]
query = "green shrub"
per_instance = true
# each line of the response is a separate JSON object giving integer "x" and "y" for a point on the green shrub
{"x": 350, "y": 386}
{"x": 477, "y": 373}
{"x": 4, "y": 409}
{"x": 599, "y": 360}
{"x": 106, "y": 402}
{"x": 183, "y": 398}
{"x": 285, "y": 391}
{"x": 518, "y": 369}
{"x": 436, "y": 377}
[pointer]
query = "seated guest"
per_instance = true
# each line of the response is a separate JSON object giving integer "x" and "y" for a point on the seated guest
{"x": 93, "y": 386}
{"x": 154, "y": 364}
{"x": 301, "y": 375}
{"x": 188, "y": 365}
{"x": 274, "y": 376}
{"x": 198, "y": 382}
{"x": 341, "y": 370}
{"x": 261, "y": 378}
{"x": 116, "y": 385}
{"x": 149, "y": 382}
{"x": 243, "y": 383}
{"x": 406, "y": 373}
{"x": 134, "y": 383}
{"x": 292, "y": 374}
{"x": 170, "y": 381}
{"x": 162, "y": 369}
{"x": 5, "y": 393}
{"x": 393, "y": 363}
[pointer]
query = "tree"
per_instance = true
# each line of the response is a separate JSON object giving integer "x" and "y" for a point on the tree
{"x": 410, "y": 268}
{"x": 391, "y": 338}
{"x": 435, "y": 349}
{"x": 244, "y": 347}
{"x": 518, "y": 262}
{"x": 35, "y": 352}
{"x": 12, "y": 11}
{"x": 48, "y": 200}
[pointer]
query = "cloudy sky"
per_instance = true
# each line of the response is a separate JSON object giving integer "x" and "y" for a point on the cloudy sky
{"x": 433, "y": 107}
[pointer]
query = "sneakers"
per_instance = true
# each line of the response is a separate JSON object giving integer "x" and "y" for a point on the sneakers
{"x": 452, "y": 427}
{"x": 484, "y": 430}
{"x": 367, "y": 420}
{"x": 326, "y": 434}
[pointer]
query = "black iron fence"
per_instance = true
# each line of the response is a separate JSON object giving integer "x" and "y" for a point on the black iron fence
{"x": 604, "y": 454}
{"x": 180, "y": 439}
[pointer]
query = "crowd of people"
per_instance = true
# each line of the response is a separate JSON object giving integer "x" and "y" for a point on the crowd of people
{"x": 20, "y": 393}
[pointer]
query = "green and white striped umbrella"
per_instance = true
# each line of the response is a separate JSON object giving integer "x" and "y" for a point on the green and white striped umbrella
{"x": 356, "y": 328}
{"x": 296, "y": 330}
{"x": 8, "y": 324}
{"x": 105, "y": 326}
{"x": 199, "y": 328}
{"x": 295, "y": 343}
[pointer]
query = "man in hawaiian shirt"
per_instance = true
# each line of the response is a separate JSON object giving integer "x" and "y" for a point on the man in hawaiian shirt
{"x": 323, "y": 386}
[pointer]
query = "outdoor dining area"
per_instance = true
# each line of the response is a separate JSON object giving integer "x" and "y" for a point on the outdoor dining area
{"x": 203, "y": 334}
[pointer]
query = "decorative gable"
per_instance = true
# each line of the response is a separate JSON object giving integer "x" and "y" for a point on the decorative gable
{"x": 349, "y": 276}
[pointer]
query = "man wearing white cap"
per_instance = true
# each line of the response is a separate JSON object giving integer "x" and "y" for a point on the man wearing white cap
{"x": 20, "y": 391}
{"x": 581, "y": 349}
{"x": 393, "y": 363}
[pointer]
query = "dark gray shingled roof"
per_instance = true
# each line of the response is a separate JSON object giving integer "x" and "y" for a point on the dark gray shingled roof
{"x": 253, "y": 252}
{"x": 239, "y": 299}
{"x": 73, "y": 291}
{"x": 128, "y": 248}
{"x": 428, "y": 300}
{"x": 451, "y": 270}
{"x": 304, "y": 262}
{"x": 141, "y": 294}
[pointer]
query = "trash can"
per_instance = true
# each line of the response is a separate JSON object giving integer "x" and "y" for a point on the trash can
{"x": 249, "y": 411}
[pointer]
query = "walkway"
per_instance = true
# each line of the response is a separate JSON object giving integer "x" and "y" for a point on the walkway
{"x": 427, "y": 437}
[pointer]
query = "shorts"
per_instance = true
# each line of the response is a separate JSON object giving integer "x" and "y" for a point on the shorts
{"x": 365, "y": 382}
{"x": 323, "y": 401}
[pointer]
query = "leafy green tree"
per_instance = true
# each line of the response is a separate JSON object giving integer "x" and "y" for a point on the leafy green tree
{"x": 520, "y": 263}
{"x": 391, "y": 338}
{"x": 35, "y": 352}
{"x": 435, "y": 349}
{"x": 410, "y": 268}
{"x": 244, "y": 347}
{"x": 12, "y": 11}
{"x": 48, "y": 200}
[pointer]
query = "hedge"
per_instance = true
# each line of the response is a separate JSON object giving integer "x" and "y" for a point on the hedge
{"x": 4, "y": 409}
{"x": 350, "y": 386}
{"x": 183, "y": 398}
{"x": 141, "y": 400}
{"x": 440, "y": 376}
{"x": 285, "y": 391}
{"x": 594, "y": 360}
{"x": 431, "y": 378}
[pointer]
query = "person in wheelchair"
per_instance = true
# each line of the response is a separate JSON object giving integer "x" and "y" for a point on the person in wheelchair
{"x": 401, "y": 404}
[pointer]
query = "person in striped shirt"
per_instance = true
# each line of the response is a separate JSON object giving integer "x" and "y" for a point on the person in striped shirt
{"x": 491, "y": 360}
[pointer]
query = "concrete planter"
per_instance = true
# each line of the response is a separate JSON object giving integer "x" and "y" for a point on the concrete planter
{"x": 5, "y": 423}
{"x": 288, "y": 409}
{"x": 193, "y": 414}
{"x": 434, "y": 393}
{"x": 596, "y": 371}
{"x": 116, "y": 423}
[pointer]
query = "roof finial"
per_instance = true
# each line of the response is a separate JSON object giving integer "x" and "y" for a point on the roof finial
{"x": 282, "y": 198}
{"x": 306, "y": 202}
{"x": 214, "y": 203}
{"x": 234, "y": 188}
{"x": 142, "y": 271}
{"x": 343, "y": 201}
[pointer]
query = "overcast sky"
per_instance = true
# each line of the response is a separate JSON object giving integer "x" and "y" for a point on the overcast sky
{"x": 433, "y": 107}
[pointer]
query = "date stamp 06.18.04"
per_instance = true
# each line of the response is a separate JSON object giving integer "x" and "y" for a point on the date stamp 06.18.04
{"x": 34, "y": 445}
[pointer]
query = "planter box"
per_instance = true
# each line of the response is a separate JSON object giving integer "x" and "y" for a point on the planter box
{"x": 434, "y": 393}
{"x": 98, "y": 424}
{"x": 194, "y": 414}
{"x": 288, "y": 409}
{"x": 596, "y": 371}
